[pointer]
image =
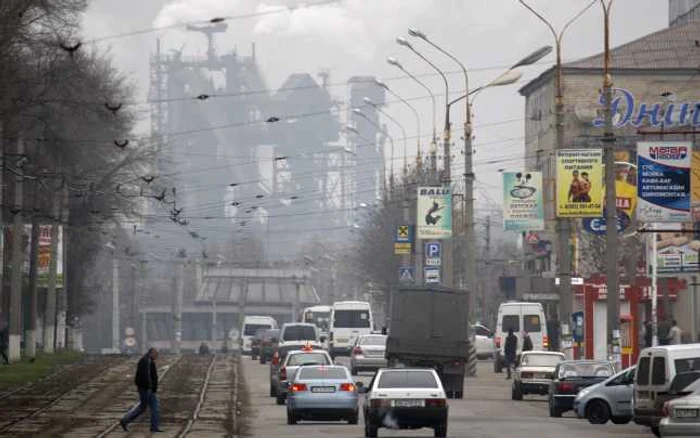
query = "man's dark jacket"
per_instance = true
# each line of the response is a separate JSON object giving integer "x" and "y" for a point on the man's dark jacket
{"x": 146, "y": 374}
{"x": 511, "y": 347}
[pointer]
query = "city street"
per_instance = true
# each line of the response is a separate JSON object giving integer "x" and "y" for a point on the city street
{"x": 486, "y": 412}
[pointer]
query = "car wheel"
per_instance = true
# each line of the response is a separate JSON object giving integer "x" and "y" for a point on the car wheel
{"x": 516, "y": 392}
{"x": 597, "y": 412}
{"x": 497, "y": 366}
{"x": 370, "y": 431}
{"x": 353, "y": 371}
{"x": 280, "y": 399}
{"x": 459, "y": 394}
{"x": 273, "y": 391}
{"x": 353, "y": 418}
{"x": 620, "y": 420}
{"x": 291, "y": 419}
{"x": 655, "y": 430}
{"x": 553, "y": 410}
{"x": 441, "y": 430}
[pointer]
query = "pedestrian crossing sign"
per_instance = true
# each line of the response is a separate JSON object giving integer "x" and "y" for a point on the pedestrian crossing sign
{"x": 406, "y": 274}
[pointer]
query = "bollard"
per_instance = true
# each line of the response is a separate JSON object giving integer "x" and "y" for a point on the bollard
{"x": 471, "y": 361}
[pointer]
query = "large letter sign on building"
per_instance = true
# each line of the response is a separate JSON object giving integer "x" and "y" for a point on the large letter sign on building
{"x": 663, "y": 181}
{"x": 434, "y": 213}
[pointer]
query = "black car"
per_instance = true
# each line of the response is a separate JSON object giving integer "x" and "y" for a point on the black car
{"x": 572, "y": 376}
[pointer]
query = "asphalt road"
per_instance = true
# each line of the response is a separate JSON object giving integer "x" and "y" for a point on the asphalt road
{"x": 486, "y": 412}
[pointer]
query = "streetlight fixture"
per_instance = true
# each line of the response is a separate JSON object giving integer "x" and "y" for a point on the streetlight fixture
{"x": 563, "y": 224}
{"x": 369, "y": 102}
{"x": 393, "y": 61}
{"x": 391, "y": 140}
{"x": 411, "y": 107}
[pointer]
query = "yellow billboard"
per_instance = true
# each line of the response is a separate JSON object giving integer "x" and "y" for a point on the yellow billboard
{"x": 695, "y": 186}
{"x": 580, "y": 183}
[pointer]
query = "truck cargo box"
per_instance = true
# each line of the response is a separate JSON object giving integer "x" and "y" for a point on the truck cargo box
{"x": 429, "y": 322}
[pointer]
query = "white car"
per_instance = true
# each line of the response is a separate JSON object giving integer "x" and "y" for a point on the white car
{"x": 405, "y": 398}
{"x": 483, "y": 338}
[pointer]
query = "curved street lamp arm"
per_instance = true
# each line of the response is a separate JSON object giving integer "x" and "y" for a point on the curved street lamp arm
{"x": 464, "y": 70}
{"x": 432, "y": 96}
{"x": 413, "y": 109}
{"x": 444, "y": 78}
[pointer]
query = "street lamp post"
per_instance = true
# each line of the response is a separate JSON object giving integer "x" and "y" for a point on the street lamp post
{"x": 411, "y": 107}
{"x": 391, "y": 140}
{"x": 369, "y": 102}
{"x": 433, "y": 146}
{"x": 563, "y": 224}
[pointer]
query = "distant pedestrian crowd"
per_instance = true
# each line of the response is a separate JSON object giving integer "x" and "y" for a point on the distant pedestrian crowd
{"x": 668, "y": 332}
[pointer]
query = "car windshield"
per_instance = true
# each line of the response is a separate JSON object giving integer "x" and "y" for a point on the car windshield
{"x": 299, "y": 333}
{"x": 541, "y": 360}
{"x": 308, "y": 359}
{"x": 320, "y": 319}
{"x": 373, "y": 340}
{"x": 317, "y": 373}
{"x": 407, "y": 379}
{"x": 251, "y": 329}
{"x": 574, "y": 370}
{"x": 351, "y": 318}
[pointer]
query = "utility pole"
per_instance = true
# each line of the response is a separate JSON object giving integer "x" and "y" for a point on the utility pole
{"x": 487, "y": 257}
{"x": 115, "y": 302}
{"x": 613, "y": 287}
{"x": 178, "y": 305}
{"x": 50, "y": 316}
{"x": 470, "y": 232}
{"x": 14, "y": 352}
{"x": 448, "y": 271}
{"x": 30, "y": 332}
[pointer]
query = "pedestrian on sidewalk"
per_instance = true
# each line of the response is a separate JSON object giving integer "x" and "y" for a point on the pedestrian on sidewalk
{"x": 510, "y": 350}
{"x": 146, "y": 381}
{"x": 675, "y": 334}
{"x": 527, "y": 342}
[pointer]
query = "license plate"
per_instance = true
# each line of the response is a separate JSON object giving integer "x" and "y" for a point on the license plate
{"x": 686, "y": 413}
{"x": 408, "y": 403}
{"x": 323, "y": 389}
{"x": 342, "y": 339}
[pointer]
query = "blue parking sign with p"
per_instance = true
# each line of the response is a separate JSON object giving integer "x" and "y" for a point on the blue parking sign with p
{"x": 433, "y": 250}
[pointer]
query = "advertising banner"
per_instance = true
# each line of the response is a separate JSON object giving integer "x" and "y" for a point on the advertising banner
{"x": 695, "y": 187}
{"x": 664, "y": 181}
{"x": 580, "y": 183}
{"x": 434, "y": 213}
{"x": 523, "y": 208}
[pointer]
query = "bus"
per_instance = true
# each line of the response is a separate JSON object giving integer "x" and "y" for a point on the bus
{"x": 349, "y": 319}
{"x": 319, "y": 316}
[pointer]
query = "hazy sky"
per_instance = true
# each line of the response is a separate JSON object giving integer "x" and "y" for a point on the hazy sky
{"x": 354, "y": 37}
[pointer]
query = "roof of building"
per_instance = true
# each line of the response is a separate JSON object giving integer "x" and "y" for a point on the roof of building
{"x": 673, "y": 48}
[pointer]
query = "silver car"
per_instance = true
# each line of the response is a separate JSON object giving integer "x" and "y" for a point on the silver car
{"x": 292, "y": 361}
{"x": 681, "y": 417}
{"x": 368, "y": 353}
{"x": 609, "y": 400}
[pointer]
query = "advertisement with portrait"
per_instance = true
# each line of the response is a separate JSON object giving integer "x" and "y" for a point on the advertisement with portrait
{"x": 579, "y": 183}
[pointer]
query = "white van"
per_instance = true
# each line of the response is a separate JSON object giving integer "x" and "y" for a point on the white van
{"x": 521, "y": 317}
{"x": 349, "y": 319}
{"x": 251, "y": 324}
{"x": 656, "y": 369}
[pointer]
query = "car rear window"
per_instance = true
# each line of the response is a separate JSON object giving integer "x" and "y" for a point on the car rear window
{"x": 299, "y": 333}
{"x": 351, "y": 318}
{"x": 511, "y": 322}
{"x": 251, "y": 329}
{"x": 687, "y": 364}
{"x": 541, "y": 360}
{"x": 322, "y": 373}
{"x": 586, "y": 369}
{"x": 532, "y": 323}
{"x": 308, "y": 359}
{"x": 643, "y": 371}
{"x": 373, "y": 340}
{"x": 658, "y": 371}
{"x": 407, "y": 379}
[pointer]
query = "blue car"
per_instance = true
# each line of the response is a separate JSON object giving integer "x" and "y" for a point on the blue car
{"x": 322, "y": 392}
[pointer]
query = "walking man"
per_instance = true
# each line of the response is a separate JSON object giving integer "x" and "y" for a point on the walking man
{"x": 510, "y": 350}
{"x": 675, "y": 334}
{"x": 146, "y": 381}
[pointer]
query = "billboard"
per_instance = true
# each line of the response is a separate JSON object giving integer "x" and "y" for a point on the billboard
{"x": 523, "y": 208}
{"x": 580, "y": 183}
{"x": 434, "y": 213}
{"x": 663, "y": 181}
